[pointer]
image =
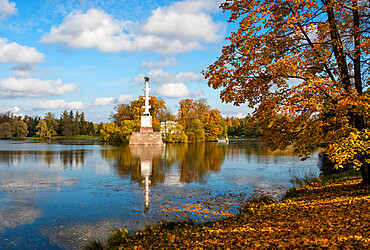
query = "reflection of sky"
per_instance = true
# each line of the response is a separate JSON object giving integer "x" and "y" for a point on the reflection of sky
{"x": 18, "y": 209}
{"x": 63, "y": 193}
{"x": 17, "y": 181}
{"x": 173, "y": 178}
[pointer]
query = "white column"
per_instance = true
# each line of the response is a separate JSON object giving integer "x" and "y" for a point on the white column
{"x": 147, "y": 98}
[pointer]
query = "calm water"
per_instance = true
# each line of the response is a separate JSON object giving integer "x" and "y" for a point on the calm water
{"x": 59, "y": 194}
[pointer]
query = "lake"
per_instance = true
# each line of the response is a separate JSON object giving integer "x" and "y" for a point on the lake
{"x": 58, "y": 194}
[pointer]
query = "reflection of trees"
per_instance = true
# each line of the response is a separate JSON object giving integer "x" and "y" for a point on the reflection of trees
{"x": 200, "y": 160}
{"x": 254, "y": 147}
{"x": 128, "y": 163}
{"x": 71, "y": 158}
{"x": 10, "y": 157}
{"x": 195, "y": 161}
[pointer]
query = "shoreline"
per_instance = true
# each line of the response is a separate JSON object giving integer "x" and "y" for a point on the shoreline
{"x": 331, "y": 211}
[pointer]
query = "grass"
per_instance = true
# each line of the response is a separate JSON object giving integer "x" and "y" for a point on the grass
{"x": 330, "y": 212}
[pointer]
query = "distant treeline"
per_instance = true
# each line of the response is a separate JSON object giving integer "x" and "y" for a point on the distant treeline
{"x": 242, "y": 127}
{"x": 69, "y": 124}
{"x": 195, "y": 121}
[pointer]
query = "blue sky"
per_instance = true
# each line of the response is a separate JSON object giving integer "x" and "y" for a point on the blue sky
{"x": 91, "y": 55}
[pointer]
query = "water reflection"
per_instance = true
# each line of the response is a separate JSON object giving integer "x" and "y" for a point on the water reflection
{"x": 57, "y": 195}
{"x": 146, "y": 154}
{"x": 19, "y": 209}
{"x": 199, "y": 160}
{"x": 51, "y": 159}
{"x": 195, "y": 162}
{"x": 255, "y": 150}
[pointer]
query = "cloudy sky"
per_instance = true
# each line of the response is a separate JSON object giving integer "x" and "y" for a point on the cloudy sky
{"x": 91, "y": 55}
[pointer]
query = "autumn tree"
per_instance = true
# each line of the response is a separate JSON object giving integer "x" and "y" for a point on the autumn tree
{"x": 200, "y": 121}
{"x": 52, "y": 123}
{"x": 134, "y": 110}
{"x": 45, "y": 129}
{"x": 214, "y": 126}
{"x": 110, "y": 132}
{"x": 123, "y": 112}
{"x": 304, "y": 66}
{"x": 174, "y": 133}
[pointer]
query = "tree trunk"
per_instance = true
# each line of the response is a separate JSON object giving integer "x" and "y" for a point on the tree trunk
{"x": 365, "y": 172}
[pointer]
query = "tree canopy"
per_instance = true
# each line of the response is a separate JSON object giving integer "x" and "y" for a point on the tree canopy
{"x": 200, "y": 122}
{"x": 134, "y": 110}
{"x": 304, "y": 66}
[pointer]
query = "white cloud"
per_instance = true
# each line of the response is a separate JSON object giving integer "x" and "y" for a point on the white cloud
{"x": 159, "y": 76}
{"x": 23, "y": 70}
{"x": 178, "y": 28}
{"x": 165, "y": 46}
{"x": 166, "y": 61}
{"x": 123, "y": 99}
{"x": 60, "y": 104}
{"x": 78, "y": 105}
{"x": 13, "y": 52}
{"x": 31, "y": 87}
{"x": 103, "y": 101}
{"x": 15, "y": 110}
{"x": 93, "y": 29}
{"x": 176, "y": 90}
{"x": 185, "y": 21}
{"x": 6, "y": 8}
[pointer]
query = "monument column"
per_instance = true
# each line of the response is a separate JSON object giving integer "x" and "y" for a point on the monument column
{"x": 146, "y": 119}
{"x": 146, "y": 134}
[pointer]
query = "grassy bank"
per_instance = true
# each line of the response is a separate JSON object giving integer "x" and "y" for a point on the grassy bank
{"x": 328, "y": 213}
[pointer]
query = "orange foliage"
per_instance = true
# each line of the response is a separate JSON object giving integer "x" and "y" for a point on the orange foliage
{"x": 316, "y": 216}
{"x": 304, "y": 66}
{"x": 134, "y": 111}
{"x": 198, "y": 118}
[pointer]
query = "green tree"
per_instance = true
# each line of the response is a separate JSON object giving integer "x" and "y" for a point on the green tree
{"x": 195, "y": 131}
{"x": 304, "y": 66}
{"x": 19, "y": 129}
{"x": 65, "y": 123}
{"x": 5, "y": 130}
{"x": 175, "y": 134}
{"x": 83, "y": 124}
{"x": 91, "y": 130}
{"x": 31, "y": 124}
{"x": 110, "y": 132}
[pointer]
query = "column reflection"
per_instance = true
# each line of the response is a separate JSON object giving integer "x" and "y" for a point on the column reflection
{"x": 146, "y": 153}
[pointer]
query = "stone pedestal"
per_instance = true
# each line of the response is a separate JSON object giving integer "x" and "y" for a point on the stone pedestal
{"x": 146, "y": 138}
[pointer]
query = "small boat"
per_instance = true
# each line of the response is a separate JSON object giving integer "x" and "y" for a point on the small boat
{"x": 222, "y": 140}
